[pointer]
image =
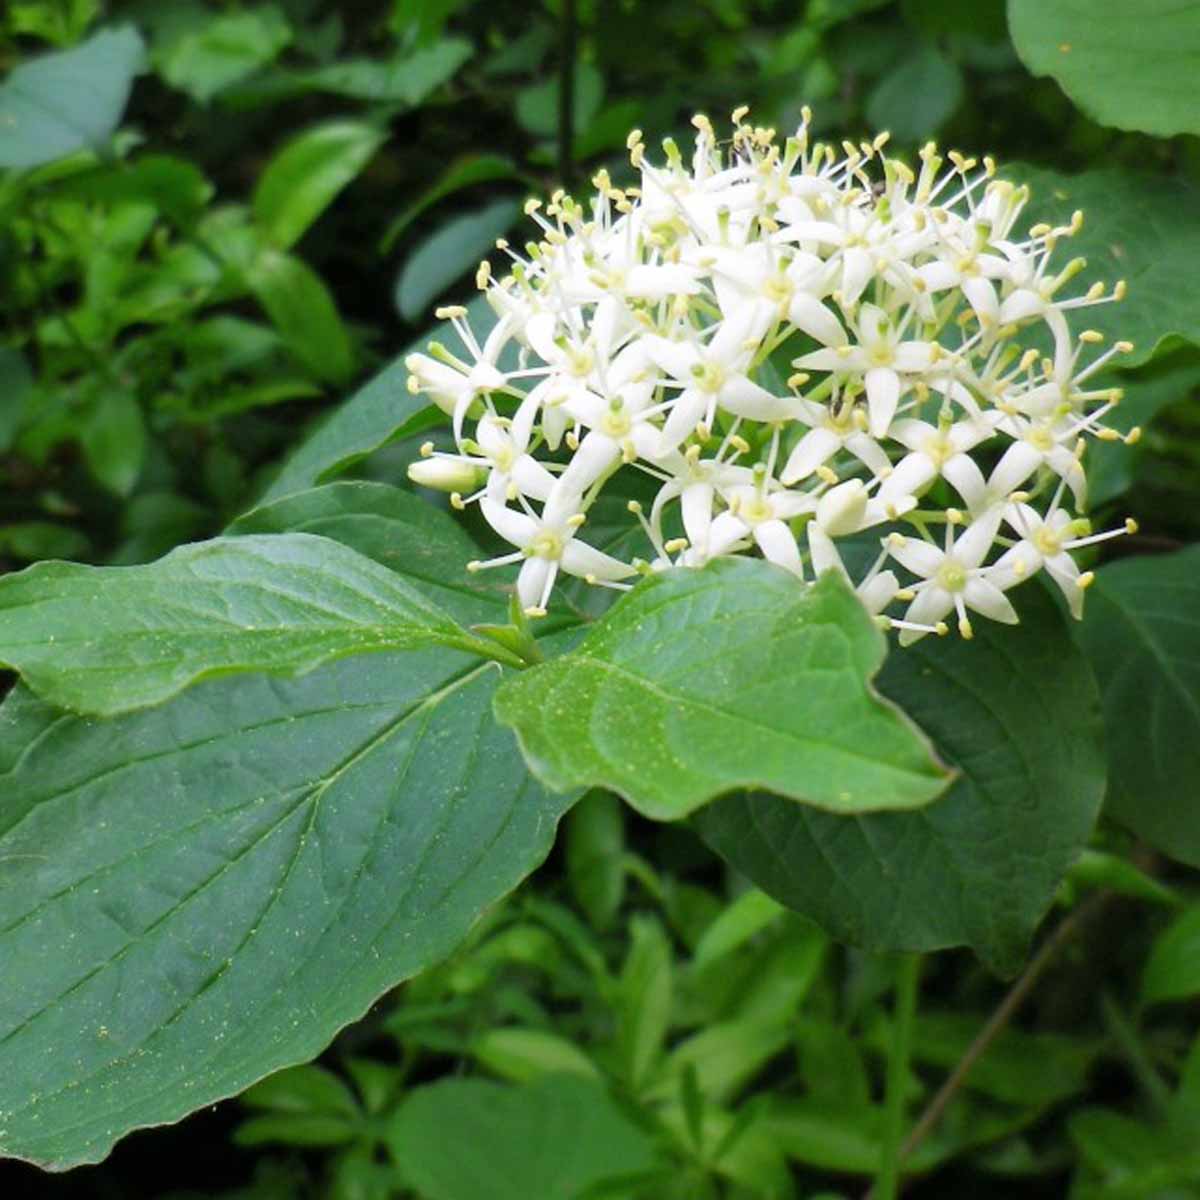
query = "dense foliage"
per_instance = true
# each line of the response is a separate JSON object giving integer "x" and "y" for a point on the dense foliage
{"x": 575, "y": 898}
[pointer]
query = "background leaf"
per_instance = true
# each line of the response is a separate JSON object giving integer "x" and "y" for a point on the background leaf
{"x": 917, "y": 96}
{"x": 1130, "y": 63}
{"x": 109, "y": 639}
{"x": 200, "y": 894}
{"x": 301, "y": 308}
{"x": 1016, "y": 711}
{"x": 59, "y": 103}
{"x": 1144, "y": 229}
{"x": 553, "y": 1138}
{"x": 735, "y": 675}
{"x": 1141, "y": 631}
{"x": 304, "y": 178}
{"x": 450, "y": 253}
{"x": 376, "y": 414}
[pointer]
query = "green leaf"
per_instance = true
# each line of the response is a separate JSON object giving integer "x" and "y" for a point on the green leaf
{"x": 524, "y": 1054}
{"x": 642, "y": 1004}
{"x": 1111, "y": 466}
{"x": 381, "y": 411}
{"x": 59, "y": 103}
{"x": 109, "y": 639}
{"x": 1131, "y": 66}
{"x": 1144, "y": 229}
{"x": 408, "y": 79}
{"x": 1018, "y": 1068}
{"x": 1016, "y": 710}
{"x": 1141, "y": 631}
{"x": 415, "y": 540}
{"x": 302, "y": 309}
{"x": 595, "y": 857}
{"x": 200, "y": 894}
{"x": 307, "y": 1088}
{"x": 736, "y": 675}
{"x": 554, "y": 1139}
{"x": 751, "y": 913}
{"x": 303, "y": 178}
{"x": 114, "y": 440}
{"x": 1173, "y": 970}
{"x": 466, "y": 172}
{"x": 450, "y": 253}
{"x": 211, "y": 52}
{"x": 537, "y": 105}
{"x": 917, "y": 96}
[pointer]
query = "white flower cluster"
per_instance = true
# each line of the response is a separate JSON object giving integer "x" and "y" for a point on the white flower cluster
{"x": 798, "y": 346}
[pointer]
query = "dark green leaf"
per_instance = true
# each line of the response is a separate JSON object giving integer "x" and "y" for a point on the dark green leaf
{"x": 423, "y": 544}
{"x": 736, "y": 675}
{"x": 1131, "y": 65}
{"x": 916, "y": 97}
{"x": 59, "y": 103}
{"x": 198, "y": 895}
{"x": 1141, "y": 631}
{"x": 595, "y": 857}
{"x": 109, "y": 639}
{"x": 1016, "y": 710}
{"x": 1144, "y": 229}
{"x": 554, "y": 1138}
{"x": 303, "y": 179}
{"x": 450, "y": 253}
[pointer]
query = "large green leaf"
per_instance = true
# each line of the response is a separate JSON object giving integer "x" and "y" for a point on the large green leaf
{"x": 303, "y": 179}
{"x": 423, "y": 544}
{"x": 1141, "y": 630}
{"x": 376, "y": 414}
{"x": 109, "y": 639}
{"x": 1131, "y": 64}
{"x": 1016, "y": 710}
{"x": 736, "y": 675}
{"x": 554, "y": 1139}
{"x": 1144, "y": 229}
{"x": 59, "y": 103}
{"x": 199, "y": 894}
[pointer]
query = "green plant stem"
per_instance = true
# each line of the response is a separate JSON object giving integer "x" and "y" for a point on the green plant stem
{"x": 908, "y": 974}
{"x": 569, "y": 36}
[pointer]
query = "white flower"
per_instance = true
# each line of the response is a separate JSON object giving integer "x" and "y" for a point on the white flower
{"x": 952, "y": 579}
{"x": 548, "y": 544}
{"x": 652, "y": 325}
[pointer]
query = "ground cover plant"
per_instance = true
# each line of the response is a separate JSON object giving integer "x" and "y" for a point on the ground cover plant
{"x": 633, "y": 607}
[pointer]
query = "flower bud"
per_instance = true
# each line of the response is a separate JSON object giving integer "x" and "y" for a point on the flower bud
{"x": 842, "y": 508}
{"x": 444, "y": 474}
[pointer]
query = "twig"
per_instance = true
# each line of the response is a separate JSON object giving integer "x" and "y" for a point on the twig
{"x": 1004, "y": 1013}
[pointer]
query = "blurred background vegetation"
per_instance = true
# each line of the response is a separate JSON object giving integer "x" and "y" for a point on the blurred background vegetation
{"x": 253, "y": 208}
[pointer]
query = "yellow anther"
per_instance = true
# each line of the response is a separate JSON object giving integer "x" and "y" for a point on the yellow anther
{"x": 1131, "y": 526}
{"x": 675, "y": 545}
{"x": 1085, "y": 580}
{"x": 456, "y": 501}
{"x": 965, "y": 630}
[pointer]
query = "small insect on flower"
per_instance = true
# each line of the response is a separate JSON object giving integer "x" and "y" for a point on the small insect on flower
{"x": 800, "y": 347}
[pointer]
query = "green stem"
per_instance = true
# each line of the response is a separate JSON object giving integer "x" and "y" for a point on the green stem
{"x": 569, "y": 35}
{"x": 907, "y": 976}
